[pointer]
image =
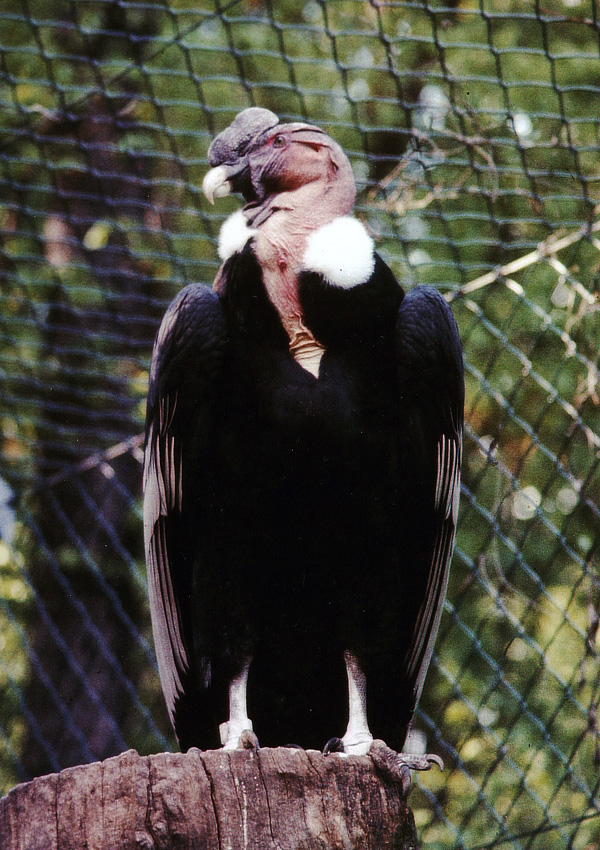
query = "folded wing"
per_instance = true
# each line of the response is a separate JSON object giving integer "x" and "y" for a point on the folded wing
{"x": 183, "y": 378}
{"x": 431, "y": 393}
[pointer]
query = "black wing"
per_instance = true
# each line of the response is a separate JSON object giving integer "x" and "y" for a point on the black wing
{"x": 431, "y": 392}
{"x": 184, "y": 373}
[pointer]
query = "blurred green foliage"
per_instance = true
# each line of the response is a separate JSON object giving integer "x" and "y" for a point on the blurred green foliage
{"x": 473, "y": 127}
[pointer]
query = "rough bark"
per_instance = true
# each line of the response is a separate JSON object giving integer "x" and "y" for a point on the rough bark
{"x": 271, "y": 799}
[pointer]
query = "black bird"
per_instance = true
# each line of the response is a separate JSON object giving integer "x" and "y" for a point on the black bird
{"x": 302, "y": 467}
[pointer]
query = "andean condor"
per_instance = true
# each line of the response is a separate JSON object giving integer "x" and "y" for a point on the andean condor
{"x": 302, "y": 466}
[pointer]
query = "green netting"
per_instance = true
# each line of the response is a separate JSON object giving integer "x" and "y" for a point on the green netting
{"x": 473, "y": 128}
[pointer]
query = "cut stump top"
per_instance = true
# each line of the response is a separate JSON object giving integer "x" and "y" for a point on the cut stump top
{"x": 267, "y": 799}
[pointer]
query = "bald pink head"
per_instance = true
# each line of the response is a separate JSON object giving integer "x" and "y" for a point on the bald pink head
{"x": 295, "y": 179}
{"x": 280, "y": 166}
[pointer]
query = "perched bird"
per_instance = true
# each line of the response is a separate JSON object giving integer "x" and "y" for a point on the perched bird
{"x": 302, "y": 464}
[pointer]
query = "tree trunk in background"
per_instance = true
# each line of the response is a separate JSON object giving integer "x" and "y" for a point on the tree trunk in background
{"x": 268, "y": 799}
{"x": 82, "y": 706}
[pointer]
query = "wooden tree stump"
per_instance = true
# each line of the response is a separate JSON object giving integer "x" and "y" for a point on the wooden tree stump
{"x": 268, "y": 799}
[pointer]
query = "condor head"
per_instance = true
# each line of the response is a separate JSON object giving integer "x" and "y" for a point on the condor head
{"x": 261, "y": 158}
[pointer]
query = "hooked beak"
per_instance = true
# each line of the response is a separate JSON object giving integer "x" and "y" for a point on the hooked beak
{"x": 227, "y": 153}
{"x": 216, "y": 183}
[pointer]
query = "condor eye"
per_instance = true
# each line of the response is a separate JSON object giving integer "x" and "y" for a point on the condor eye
{"x": 278, "y": 142}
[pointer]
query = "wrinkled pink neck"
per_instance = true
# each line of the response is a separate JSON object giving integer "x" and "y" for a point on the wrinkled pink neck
{"x": 281, "y": 240}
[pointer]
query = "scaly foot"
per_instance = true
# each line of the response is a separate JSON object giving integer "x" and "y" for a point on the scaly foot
{"x": 238, "y": 737}
{"x": 397, "y": 766}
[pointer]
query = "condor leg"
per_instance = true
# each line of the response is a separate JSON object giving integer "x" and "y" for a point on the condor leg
{"x": 232, "y": 730}
{"x": 358, "y": 739}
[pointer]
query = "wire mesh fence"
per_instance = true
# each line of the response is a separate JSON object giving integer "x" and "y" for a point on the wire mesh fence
{"x": 473, "y": 128}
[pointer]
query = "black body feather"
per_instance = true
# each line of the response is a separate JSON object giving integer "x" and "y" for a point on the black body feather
{"x": 291, "y": 518}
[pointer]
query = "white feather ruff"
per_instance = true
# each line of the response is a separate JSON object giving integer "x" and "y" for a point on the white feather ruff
{"x": 234, "y": 234}
{"x": 342, "y": 251}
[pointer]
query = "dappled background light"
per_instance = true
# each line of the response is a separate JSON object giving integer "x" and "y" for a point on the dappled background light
{"x": 473, "y": 129}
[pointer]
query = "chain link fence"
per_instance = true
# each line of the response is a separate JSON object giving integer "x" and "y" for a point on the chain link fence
{"x": 473, "y": 127}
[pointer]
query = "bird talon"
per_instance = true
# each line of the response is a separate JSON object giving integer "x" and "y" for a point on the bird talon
{"x": 334, "y": 745}
{"x": 398, "y": 765}
{"x": 248, "y": 740}
{"x": 433, "y": 758}
{"x": 424, "y": 762}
